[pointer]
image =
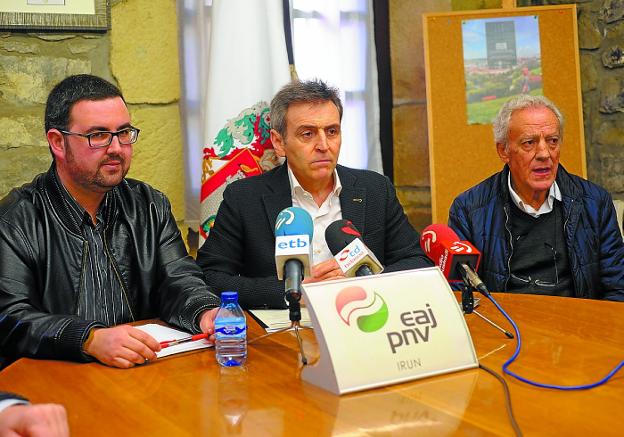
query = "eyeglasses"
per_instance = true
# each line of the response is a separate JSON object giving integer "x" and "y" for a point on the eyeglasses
{"x": 538, "y": 282}
{"x": 101, "y": 139}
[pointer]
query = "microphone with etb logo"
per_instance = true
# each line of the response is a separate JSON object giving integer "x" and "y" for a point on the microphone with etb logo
{"x": 293, "y": 250}
{"x": 353, "y": 257}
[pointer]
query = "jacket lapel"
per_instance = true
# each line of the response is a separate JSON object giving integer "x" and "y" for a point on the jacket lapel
{"x": 280, "y": 197}
{"x": 352, "y": 199}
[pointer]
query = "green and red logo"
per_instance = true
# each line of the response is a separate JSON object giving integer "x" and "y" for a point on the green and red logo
{"x": 368, "y": 310}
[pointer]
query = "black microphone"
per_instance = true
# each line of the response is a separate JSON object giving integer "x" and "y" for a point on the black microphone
{"x": 350, "y": 252}
{"x": 471, "y": 277}
{"x": 293, "y": 250}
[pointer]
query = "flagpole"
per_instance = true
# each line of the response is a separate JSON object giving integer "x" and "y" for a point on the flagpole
{"x": 288, "y": 38}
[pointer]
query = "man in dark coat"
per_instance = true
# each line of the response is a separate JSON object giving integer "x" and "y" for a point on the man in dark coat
{"x": 239, "y": 252}
{"x": 540, "y": 229}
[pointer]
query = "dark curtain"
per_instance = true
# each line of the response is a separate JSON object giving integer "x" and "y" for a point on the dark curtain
{"x": 384, "y": 82}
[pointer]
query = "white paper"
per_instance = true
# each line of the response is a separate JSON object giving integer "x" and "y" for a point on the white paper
{"x": 274, "y": 320}
{"x": 164, "y": 333}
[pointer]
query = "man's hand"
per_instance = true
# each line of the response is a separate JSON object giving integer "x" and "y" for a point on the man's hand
{"x": 206, "y": 323}
{"x": 122, "y": 346}
{"x": 34, "y": 420}
{"x": 325, "y": 270}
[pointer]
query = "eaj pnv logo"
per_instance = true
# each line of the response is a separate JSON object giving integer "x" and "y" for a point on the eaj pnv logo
{"x": 368, "y": 310}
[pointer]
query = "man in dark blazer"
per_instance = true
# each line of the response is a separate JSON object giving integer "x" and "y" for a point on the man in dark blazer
{"x": 239, "y": 252}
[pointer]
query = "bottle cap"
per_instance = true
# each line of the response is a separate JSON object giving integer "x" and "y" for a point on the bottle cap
{"x": 229, "y": 296}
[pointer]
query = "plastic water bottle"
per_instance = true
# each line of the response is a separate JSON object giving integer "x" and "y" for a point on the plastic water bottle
{"x": 230, "y": 331}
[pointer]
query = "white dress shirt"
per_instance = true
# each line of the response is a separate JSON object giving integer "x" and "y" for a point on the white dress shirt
{"x": 10, "y": 402}
{"x": 547, "y": 206}
{"x": 322, "y": 216}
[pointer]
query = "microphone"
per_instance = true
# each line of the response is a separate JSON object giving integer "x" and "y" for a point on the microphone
{"x": 458, "y": 260}
{"x": 293, "y": 250}
{"x": 353, "y": 257}
{"x": 470, "y": 276}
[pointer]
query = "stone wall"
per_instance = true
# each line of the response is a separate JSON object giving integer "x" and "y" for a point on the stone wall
{"x": 601, "y": 43}
{"x": 409, "y": 112}
{"x": 30, "y": 65}
{"x": 139, "y": 54}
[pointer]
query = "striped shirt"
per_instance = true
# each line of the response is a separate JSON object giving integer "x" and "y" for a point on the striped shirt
{"x": 102, "y": 296}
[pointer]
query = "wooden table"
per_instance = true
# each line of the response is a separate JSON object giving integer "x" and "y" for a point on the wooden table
{"x": 565, "y": 341}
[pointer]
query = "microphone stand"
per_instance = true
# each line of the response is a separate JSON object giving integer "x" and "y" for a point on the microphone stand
{"x": 468, "y": 306}
{"x": 293, "y": 298}
{"x": 294, "y": 314}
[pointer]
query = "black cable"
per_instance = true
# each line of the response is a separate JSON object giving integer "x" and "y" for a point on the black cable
{"x": 510, "y": 413}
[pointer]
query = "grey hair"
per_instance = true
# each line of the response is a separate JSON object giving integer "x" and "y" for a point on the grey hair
{"x": 523, "y": 101}
{"x": 308, "y": 91}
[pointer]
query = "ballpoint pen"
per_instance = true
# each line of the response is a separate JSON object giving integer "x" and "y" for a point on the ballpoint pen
{"x": 183, "y": 340}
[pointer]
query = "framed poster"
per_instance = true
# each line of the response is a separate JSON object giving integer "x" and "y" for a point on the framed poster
{"x": 502, "y": 59}
{"x": 55, "y": 15}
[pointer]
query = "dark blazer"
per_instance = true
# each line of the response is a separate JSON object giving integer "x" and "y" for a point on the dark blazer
{"x": 239, "y": 252}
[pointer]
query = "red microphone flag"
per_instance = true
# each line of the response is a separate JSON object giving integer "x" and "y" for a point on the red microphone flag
{"x": 443, "y": 246}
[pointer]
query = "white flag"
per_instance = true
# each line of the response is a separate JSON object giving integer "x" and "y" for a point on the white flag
{"x": 247, "y": 65}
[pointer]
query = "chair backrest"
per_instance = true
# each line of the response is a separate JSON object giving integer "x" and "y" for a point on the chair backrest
{"x": 619, "y": 209}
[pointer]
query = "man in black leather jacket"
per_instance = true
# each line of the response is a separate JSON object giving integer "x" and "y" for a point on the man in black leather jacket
{"x": 84, "y": 250}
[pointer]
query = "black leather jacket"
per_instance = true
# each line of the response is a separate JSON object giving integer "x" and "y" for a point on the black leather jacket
{"x": 42, "y": 259}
